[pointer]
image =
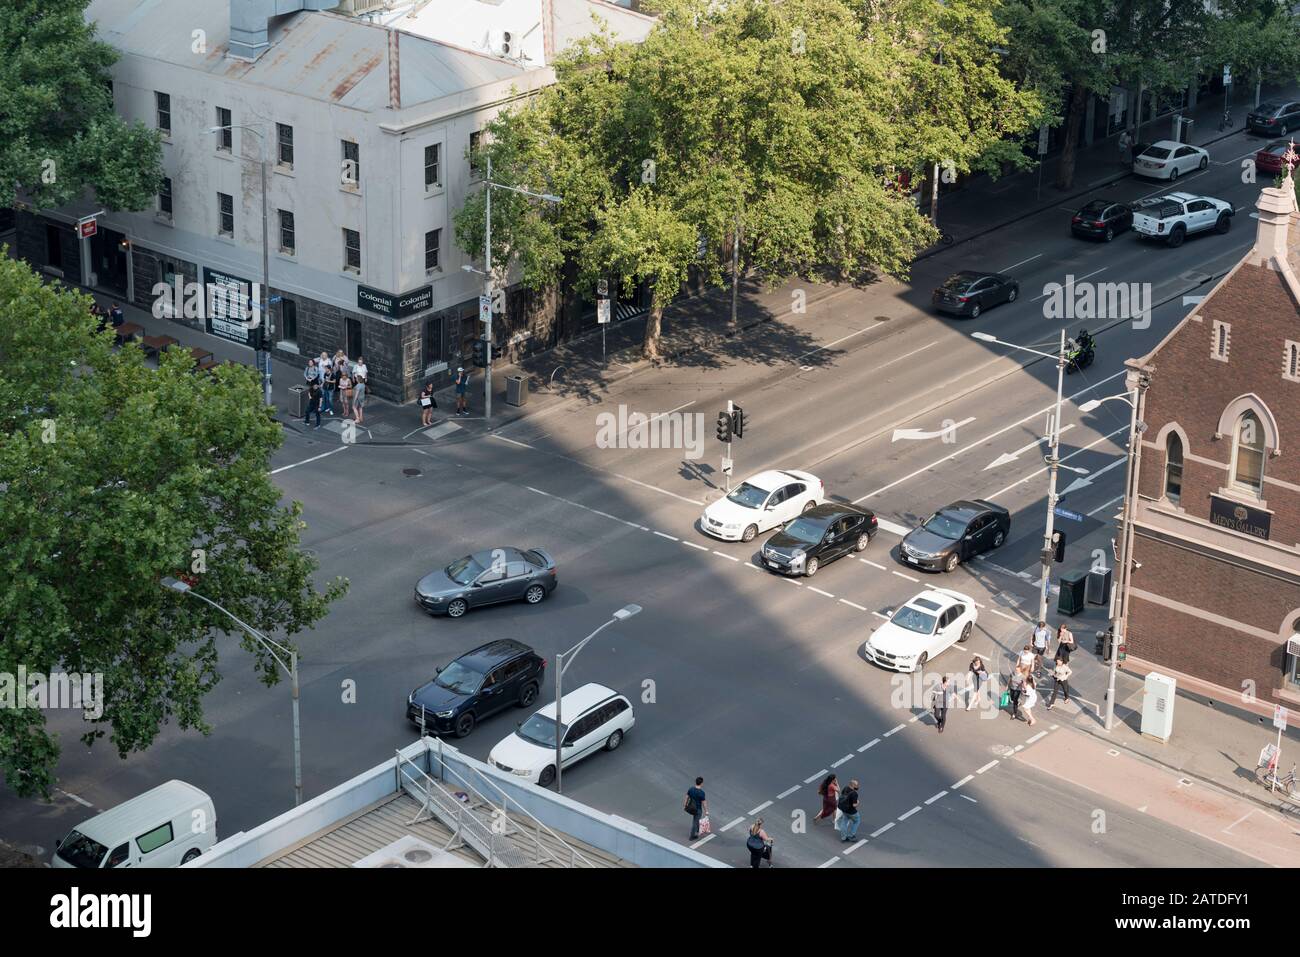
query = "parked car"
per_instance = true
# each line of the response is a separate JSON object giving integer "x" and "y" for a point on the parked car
{"x": 1269, "y": 159}
{"x": 594, "y": 718}
{"x": 956, "y": 533}
{"x": 475, "y": 686}
{"x": 1168, "y": 159}
{"x": 920, "y": 630}
{"x": 1274, "y": 118}
{"x": 760, "y": 503}
{"x": 167, "y": 826}
{"x": 486, "y": 578}
{"x": 1178, "y": 214}
{"x": 818, "y": 536}
{"x": 970, "y": 293}
{"x": 1102, "y": 219}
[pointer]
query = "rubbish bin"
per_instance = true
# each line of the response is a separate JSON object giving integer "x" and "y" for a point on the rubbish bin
{"x": 516, "y": 390}
{"x": 297, "y": 400}
{"x": 1098, "y": 590}
{"x": 1071, "y": 600}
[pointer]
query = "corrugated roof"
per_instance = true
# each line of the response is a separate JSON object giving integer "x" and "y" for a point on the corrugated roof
{"x": 327, "y": 57}
{"x": 573, "y": 21}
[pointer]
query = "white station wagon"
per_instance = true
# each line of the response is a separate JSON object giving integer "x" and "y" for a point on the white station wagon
{"x": 922, "y": 628}
{"x": 594, "y": 718}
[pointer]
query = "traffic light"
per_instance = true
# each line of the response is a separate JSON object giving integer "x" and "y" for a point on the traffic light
{"x": 738, "y": 422}
{"x": 724, "y": 427}
{"x": 480, "y": 353}
{"x": 1058, "y": 541}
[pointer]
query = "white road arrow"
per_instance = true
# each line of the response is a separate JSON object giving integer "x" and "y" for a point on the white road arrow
{"x": 1085, "y": 482}
{"x": 920, "y": 434}
{"x": 1006, "y": 457}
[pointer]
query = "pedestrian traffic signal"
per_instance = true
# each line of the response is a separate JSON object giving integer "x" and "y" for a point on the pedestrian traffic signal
{"x": 738, "y": 422}
{"x": 724, "y": 427}
{"x": 480, "y": 353}
{"x": 1058, "y": 542}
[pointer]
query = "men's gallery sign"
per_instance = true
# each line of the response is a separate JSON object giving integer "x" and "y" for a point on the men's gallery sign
{"x": 395, "y": 307}
{"x": 1239, "y": 518}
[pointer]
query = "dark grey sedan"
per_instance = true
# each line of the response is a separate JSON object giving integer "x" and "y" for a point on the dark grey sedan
{"x": 970, "y": 293}
{"x": 954, "y": 534}
{"x": 487, "y": 578}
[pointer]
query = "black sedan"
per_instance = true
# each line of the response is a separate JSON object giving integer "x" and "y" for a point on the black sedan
{"x": 486, "y": 578}
{"x": 954, "y": 534}
{"x": 1100, "y": 219}
{"x": 475, "y": 686}
{"x": 970, "y": 293}
{"x": 820, "y": 535}
{"x": 1274, "y": 118}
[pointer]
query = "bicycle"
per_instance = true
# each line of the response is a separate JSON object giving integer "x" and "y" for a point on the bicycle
{"x": 1266, "y": 774}
{"x": 1225, "y": 121}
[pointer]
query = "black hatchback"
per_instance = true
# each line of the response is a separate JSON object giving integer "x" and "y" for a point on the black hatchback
{"x": 820, "y": 535}
{"x": 477, "y": 685}
{"x": 1100, "y": 219}
{"x": 970, "y": 293}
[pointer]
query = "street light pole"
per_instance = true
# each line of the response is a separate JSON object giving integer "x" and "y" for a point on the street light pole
{"x": 291, "y": 668}
{"x": 1054, "y": 464}
{"x": 487, "y": 280}
{"x": 561, "y": 664}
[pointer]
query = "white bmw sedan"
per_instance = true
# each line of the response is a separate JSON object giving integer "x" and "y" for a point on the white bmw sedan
{"x": 762, "y": 502}
{"x": 927, "y": 625}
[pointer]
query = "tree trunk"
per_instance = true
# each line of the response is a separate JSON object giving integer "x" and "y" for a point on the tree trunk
{"x": 1069, "y": 148}
{"x": 650, "y": 349}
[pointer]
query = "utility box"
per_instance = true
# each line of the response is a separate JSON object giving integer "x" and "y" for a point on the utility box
{"x": 1070, "y": 601}
{"x": 1158, "y": 707}
{"x": 1098, "y": 590}
{"x": 516, "y": 390}
{"x": 297, "y": 400}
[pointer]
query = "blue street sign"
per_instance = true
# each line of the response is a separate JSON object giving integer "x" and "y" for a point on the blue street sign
{"x": 275, "y": 299}
{"x": 1065, "y": 513}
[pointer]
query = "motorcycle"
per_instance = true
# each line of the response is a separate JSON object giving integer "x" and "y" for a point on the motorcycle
{"x": 1082, "y": 353}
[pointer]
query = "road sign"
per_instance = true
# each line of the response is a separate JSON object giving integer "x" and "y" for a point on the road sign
{"x": 484, "y": 308}
{"x": 1227, "y": 76}
{"x": 726, "y": 466}
{"x": 1279, "y": 718}
{"x": 1066, "y": 513}
{"x": 274, "y": 299}
{"x": 602, "y": 310}
{"x": 1042, "y": 140}
{"x": 87, "y": 227}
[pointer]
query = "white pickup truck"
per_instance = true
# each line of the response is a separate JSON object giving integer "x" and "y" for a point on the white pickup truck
{"x": 1172, "y": 216}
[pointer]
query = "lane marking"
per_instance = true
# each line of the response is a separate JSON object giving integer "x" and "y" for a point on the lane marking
{"x": 539, "y": 491}
{"x": 833, "y": 860}
{"x": 904, "y": 817}
{"x": 702, "y": 548}
{"x": 935, "y": 798}
{"x": 893, "y": 528}
{"x": 853, "y": 847}
{"x": 670, "y": 538}
{"x": 908, "y": 577}
{"x": 991, "y": 764}
{"x": 1003, "y": 614}
{"x": 762, "y": 807}
{"x": 872, "y": 564}
{"x": 894, "y": 730}
{"x": 596, "y": 468}
{"x": 787, "y": 792}
{"x": 1109, "y": 504}
{"x": 879, "y": 615}
{"x": 512, "y": 441}
{"x": 732, "y": 558}
{"x": 969, "y": 798}
{"x": 853, "y": 604}
{"x": 836, "y": 342}
{"x": 1009, "y": 456}
{"x": 847, "y": 757}
{"x": 1021, "y": 263}
{"x": 870, "y": 744}
{"x": 966, "y": 780}
{"x": 1076, "y": 280}
{"x": 820, "y": 592}
{"x": 882, "y": 830}
{"x": 80, "y": 800}
{"x": 729, "y": 826}
{"x": 314, "y": 458}
{"x": 1040, "y": 734}
{"x": 821, "y": 773}
{"x": 705, "y": 841}
{"x": 1065, "y": 458}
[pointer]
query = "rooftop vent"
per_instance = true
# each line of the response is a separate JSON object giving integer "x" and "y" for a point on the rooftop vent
{"x": 411, "y": 852}
{"x": 249, "y": 20}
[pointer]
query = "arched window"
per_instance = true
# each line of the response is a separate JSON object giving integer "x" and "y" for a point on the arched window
{"x": 1173, "y": 468}
{"x": 1248, "y": 453}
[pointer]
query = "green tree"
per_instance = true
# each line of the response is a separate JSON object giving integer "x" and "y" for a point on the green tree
{"x": 113, "y": 475}
{"x": 1258, "y": 39}
{"x": 60, "y": 134}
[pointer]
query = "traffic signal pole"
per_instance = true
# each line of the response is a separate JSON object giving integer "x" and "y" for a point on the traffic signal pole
{"x": 1054, "y": 465}
{"x": 487, "y": 281}
{"x": 731, "y": 411}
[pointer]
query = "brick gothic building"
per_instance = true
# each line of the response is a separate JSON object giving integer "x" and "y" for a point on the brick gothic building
{"x": 1217, "y": 517}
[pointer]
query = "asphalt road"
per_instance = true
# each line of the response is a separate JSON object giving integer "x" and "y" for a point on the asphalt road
{"x": 753, "y": 681}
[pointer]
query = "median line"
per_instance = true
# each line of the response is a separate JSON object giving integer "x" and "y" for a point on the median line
{"x": 820, "y": 592}
{"x": 732, "y": 558}
{"x": 966, "y": 780}
{"x": 847, "y": 757}
{"x": 894, "y": 730}
{"x": 882, "y": 830}
{"x": 853, "y": 604}
{"x": 762, "y": 807}
{"x": 870, "y": 744}
{"x": 670, "y": 538}
{"x": 907, "y": 814}
{"x": 728, "y": 826}
{"x": 787, "y": 792}
{"x": 991, "y": 764}
{"x": 935, "y": 798}
{"x": 810, "y": 780}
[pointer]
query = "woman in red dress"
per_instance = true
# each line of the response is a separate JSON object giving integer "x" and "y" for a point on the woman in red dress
{"x": 829, "y": 789}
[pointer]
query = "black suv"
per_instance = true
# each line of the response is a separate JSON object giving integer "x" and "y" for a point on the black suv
{"x": 477, "y": 685}
{"x": 820, "y": 535}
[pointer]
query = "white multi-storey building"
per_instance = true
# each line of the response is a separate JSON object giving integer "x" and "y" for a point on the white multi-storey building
{"x": 365, "y": 114}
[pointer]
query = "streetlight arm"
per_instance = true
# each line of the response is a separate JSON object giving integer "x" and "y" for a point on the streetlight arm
{"x": 271, "y": 646}
{"x": 572, "y": 652}
{"x": 526, "y": 192}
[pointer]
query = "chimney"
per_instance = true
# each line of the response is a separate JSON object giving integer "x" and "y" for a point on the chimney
{"x": 394, "y": 72}
{"x": 1275, "y": 205}
{"x": 249, "y": 21}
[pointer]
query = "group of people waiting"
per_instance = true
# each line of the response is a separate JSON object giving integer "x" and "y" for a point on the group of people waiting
{"x": 333, "y": 380}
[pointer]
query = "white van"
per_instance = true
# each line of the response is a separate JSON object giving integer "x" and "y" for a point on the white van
{"x": 166, "y": 827}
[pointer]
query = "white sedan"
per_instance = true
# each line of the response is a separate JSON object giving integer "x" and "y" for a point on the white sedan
{"x": 595, "y": 718}
{"x": 925, "y": 626}
{"x": 1169, "y": 160}
{"x": 762, "y": 502}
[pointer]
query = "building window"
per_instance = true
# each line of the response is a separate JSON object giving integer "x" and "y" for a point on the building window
{"x": 1292, "y": 661}
{"x": 351, "y": 250}
{"x": 225, "y": 132}
{"x": 226, "y": 209}
{"x": 1291, "y": 361}
{"x": 433, "y": 166}
{"x": 163, "y": 102}
{"x": 165, "y": 198}
{"x": 1174, "y": 468}
{"x": 284, "y": 137}
{"x": 1248, "y": 453}
{"x": 1222, "y": 332}
{"x": 432, "y": 342}
{"x": 288, "y": 320}
{"x": 475, "y": 139}
{"x": 351, "y": 163}
{"x": 288, "y": 242}
{"x": 432, "y": 249}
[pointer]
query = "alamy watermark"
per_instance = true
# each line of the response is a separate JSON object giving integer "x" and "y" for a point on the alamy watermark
{"x": 76, "y": 690}
{"x": 660, "y": 430}
{"x": 235, "y": 302}
{"x": 1098, "y": 300}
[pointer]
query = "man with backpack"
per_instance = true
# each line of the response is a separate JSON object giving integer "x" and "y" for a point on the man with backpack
{"x": 697, "y": 806}
{"x": 850, "y": 818}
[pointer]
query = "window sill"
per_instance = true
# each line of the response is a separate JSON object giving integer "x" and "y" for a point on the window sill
{"x": 435, "y": 368}
{"x": 226, "y": 238}
{"x": 224, "y": 155}
{"x": 163, "y": 220}
{"x": 435, "y": 190}
{"x": 1243, "y": 497}
{"x": 435, "y": 273}
{"x": 282, "y": 170}
{"x": 354, "y": 273}
{"x": 287, "y": 346}
{"x": 1289, "y": 692}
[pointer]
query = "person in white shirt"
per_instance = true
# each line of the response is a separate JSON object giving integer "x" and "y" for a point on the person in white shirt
{"x": 359, "y": 370}
{"x": 1026, "y": 660}
{"x": 1028, "y": 699}
{"x": 1042, "y": 634}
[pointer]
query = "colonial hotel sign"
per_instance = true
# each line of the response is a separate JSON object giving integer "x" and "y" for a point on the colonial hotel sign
{"x": 1239, "y": 518}
{"x": 395, "y": 307}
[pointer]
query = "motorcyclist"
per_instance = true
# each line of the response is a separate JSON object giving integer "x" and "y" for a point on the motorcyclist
{"x": 1084, "y": 347}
